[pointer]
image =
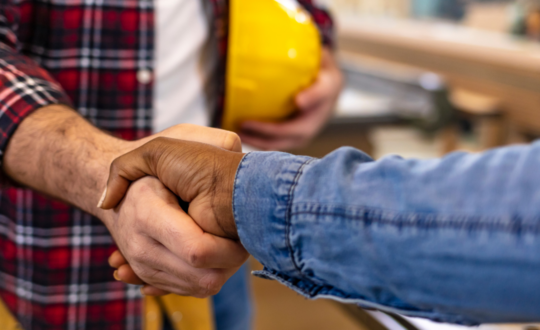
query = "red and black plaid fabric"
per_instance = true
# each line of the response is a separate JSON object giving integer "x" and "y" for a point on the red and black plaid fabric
{"x": 87, "y": 53}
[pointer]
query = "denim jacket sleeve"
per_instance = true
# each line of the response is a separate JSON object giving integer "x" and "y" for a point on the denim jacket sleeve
{"x": 455, "y": 239}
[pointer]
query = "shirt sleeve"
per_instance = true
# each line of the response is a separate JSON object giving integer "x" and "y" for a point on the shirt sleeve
{"x": 24, "y": 86}
{"x": 453, "y": 239}
{"x": 324, "y": 21}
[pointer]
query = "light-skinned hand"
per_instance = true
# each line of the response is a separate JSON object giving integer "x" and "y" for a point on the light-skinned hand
{"x": 162, "y": 243}
{"x": 166, "y": 248}
{"x": 200, "y": 174}
{"x": 315, "y": 105}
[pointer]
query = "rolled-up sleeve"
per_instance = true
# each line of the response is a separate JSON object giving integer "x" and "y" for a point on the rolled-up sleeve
{"x": 267, "y": 195}
{"x": 24, "y": 85}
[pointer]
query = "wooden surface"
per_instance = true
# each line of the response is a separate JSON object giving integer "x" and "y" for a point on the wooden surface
{"x": 277, "y": 307}
{"x": 484, "y": 62}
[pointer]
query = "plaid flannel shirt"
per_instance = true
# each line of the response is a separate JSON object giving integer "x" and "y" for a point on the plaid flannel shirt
{"x": 53, "y": 258}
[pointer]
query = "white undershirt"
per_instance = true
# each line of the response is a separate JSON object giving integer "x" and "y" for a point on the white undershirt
{"x": 184, "y": 59}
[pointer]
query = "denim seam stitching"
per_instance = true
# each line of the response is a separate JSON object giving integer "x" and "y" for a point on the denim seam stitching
{"x": 242, "y": 164}
{"x": 437, "y": 223}
{"x": 290, "y": 197}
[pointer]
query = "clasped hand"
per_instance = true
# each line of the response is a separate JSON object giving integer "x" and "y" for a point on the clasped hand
{"x": 167, "y": 250}
{"x": 162, "y": 247}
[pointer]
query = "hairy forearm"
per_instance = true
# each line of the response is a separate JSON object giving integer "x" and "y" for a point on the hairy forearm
{"x": 57, "y": 152}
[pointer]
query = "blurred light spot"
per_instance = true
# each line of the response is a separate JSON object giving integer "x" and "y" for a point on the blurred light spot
{"x": 431, "y": 81}
{"x": 289, "y": 4}
{"x": 292, "y": 53}
{"x": 177, "y": 316}
{"x": 301, "y": 17}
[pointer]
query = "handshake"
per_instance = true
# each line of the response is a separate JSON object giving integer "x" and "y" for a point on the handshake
{"x": 161, "y": 246}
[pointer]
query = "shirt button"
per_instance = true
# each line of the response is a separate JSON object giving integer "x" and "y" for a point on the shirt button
{"x": 144, "y": 76}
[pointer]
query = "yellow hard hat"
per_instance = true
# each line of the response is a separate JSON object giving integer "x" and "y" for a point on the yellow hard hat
{"x": 274, "y": 52}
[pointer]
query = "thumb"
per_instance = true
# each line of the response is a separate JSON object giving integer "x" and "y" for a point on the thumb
{"x": 130, "y": 167}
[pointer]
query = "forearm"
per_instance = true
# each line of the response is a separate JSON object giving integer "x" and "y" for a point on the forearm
{"x": 57, "y": 152}
{"x": 453, "y": 239}
{"x": 44, "y": 145}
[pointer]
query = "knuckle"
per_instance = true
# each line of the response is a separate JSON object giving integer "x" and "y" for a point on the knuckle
{"x": 211, "y": 284}
{"x": 199, "y": 292}
{"x": 152, "y": 146}
{"x": 146, "y": 274}
{"x": 140, "y": 187}
{"x": 157, "y": 148}
{"x": 116, "y": 166}
{"x": 145, "y": 186}
{"x": 182, "y": 130}
{"x": 140, "y": 271}
{"x": 184, "y": 126}
{"x": 232, "y": 141}
{"x": 196, "y": 256}
{"x": 159, "y": 140}
{"x": 138, "y": 255}
{"x": 241, "y": 256}
{"x": 199, "y": 296}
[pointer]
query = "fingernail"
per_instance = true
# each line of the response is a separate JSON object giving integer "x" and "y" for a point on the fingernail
{"x": 115, "y": 275}
{"x": 102, "y": 199}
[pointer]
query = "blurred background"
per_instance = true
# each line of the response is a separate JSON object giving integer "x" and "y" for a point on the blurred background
{"x": 424, "y": 78}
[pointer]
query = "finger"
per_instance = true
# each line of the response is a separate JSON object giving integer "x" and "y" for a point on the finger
{"x": 169, "y": 273}
{"x": 200, "y": 285}
{"x": 117, "y": 259}
{"x": 311, "y": 97}
{"x": 157, "y": 265}
{"x": 126, "y": 274}
{"x": 322, "y": 89}
{"x": 149, "y": 290}
{"x": 193, "y": 285}
{"x": 326, "y": 87}
{"x": 165, "y": 276}
{"x": 216, "y": 252}
{"x": 125, "y": 169}
{"x": 197, "y": 248}
{"x": 214, "y": 136}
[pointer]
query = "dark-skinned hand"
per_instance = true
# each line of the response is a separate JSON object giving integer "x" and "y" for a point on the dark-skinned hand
{"x": 200, "y": 174}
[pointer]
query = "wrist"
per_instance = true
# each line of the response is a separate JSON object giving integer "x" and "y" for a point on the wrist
{"x": 223, "y": 194}
{"x": 116, "y": 148}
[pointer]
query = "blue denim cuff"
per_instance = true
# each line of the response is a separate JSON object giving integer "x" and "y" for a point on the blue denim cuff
{"x": 262, "y": 198}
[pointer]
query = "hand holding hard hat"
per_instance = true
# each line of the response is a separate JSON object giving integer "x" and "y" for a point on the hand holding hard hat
{"x": 315, "y": 105}
{"x": 281, "y": 87}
